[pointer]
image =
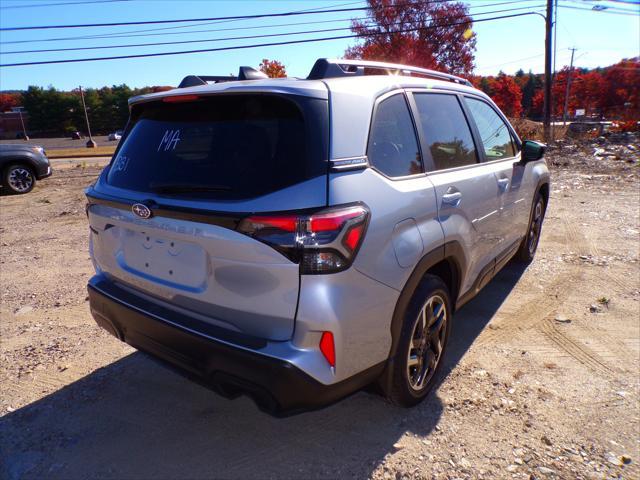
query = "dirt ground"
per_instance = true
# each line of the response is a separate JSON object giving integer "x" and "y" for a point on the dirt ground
{"x": 542, "y": 378}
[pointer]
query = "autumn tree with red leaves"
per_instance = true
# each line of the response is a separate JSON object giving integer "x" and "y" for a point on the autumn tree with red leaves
{"x": 272, "y": 68}
{"x": 9, "y": 101}
{"x": 587, "y": 92}
{"x": 622, "y": 89}
{"x": 424, "y": 34}
{"x": 507, "y": 95}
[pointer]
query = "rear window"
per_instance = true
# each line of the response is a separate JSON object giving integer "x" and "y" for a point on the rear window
{"x": 223, "y": 147}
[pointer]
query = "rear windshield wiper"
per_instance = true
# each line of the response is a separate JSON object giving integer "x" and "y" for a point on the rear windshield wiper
{"x": 186, "y": 188}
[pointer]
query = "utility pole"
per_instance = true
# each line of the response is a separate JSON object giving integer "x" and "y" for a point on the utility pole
{"x": 566, "y": 93}
{"x": 25, "y": 137}
{"x": 547, "y": 69}
{"x": 90, "y": 143}
{"x": 555, "y": 56}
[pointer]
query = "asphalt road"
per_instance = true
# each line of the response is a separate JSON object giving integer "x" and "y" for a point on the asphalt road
{"x": 63, "y": 142}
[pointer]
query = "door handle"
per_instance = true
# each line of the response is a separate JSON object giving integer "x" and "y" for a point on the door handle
{"x": 503, "y": 184}
{"x": 452, "y": 198}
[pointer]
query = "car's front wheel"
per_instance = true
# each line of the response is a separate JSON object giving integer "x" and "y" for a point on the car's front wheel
{"x": 423, "y": 340}
{"x": 529, "y": 244}
{"x": 19, "y": 178}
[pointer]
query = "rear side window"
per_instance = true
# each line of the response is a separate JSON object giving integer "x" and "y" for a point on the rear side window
{"x": 393, "y": 148}
{"x": 223, "y": 147}
{"x": 445, "y": 130}
{"x": 494, "y": 133}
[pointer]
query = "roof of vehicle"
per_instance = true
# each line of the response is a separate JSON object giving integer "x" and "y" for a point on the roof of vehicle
{"x": 291, "y": 86}
{"x": 369, "y": 85}
{"x": 327, "y": 74}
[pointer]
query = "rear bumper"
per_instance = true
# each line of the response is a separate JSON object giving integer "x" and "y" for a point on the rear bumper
{"x": 230, "y": 366}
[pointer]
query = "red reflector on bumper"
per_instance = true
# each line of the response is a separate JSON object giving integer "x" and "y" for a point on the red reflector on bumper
{"x": 327, "y": 347}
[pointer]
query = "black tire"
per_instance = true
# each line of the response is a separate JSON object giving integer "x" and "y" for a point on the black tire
{"x": 529, "y": 245}
{"x": 406, "y": 389}
{"x": 18, "y": 178}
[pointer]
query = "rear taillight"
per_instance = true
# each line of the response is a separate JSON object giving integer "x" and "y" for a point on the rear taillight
{"x": 321, "y": 242}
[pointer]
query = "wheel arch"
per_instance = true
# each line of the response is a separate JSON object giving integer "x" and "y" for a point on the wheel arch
{"x": 446, "y": 262}
{"x": 16, "y": 160}
{"x": 543, "y": 189}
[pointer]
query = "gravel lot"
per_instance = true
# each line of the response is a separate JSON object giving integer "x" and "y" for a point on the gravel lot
{"x": 541, "y": 380}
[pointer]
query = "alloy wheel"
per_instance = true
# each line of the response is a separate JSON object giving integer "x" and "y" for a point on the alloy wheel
{"x": 536, "y": 227}
{"x": 427, "y": 342}
{"x": 20, "y": 179}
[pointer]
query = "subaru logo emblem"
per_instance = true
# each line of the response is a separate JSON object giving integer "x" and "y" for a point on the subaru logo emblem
{"x": 141, "y": 210}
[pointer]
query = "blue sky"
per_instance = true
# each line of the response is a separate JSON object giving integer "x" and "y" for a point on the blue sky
{"x": 602, "y": 38}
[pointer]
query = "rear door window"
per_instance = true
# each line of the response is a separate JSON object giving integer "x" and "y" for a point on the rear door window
{"x": 495, "y": 135}
{"x": 223, "y": 147}
{"x": 393, "y": 147}
{"x": 445, "y": 130}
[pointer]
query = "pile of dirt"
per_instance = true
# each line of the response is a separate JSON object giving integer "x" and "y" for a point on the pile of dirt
{"x": 527, "y": 129}
{"x": 611, "y": 152}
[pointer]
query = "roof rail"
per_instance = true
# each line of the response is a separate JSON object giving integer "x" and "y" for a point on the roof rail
{"x": 245, "y": 73}
{"x": 338, "y": 67}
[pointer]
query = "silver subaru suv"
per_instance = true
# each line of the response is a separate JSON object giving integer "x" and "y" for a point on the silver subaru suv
{"x": 296, "y": 240}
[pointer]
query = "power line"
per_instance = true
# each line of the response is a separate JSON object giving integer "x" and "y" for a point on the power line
{"x": 118, "y": 34}
{"x": 208, "y": 30}
{"x": 132, "y": 33}
{"x": 184, "y": 20}
{"x": 102, "y": 47}
{"x": 37, "y": 5}
{"x": 247, "y": 37}
{"x": 598, "y": 7}
{"x": 610, "y": 12}
{"x": 514, "y": 61}
{"x": 626, "y": 2}
{"x": 126, "y": 34}
{"x": 271, "y": 44}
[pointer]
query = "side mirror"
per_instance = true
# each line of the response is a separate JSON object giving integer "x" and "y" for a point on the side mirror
{"x": 532, "y": 151}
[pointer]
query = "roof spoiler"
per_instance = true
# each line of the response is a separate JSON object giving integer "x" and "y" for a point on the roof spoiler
{"x": 245, "y": 73}
{"x": 333, "y": 68}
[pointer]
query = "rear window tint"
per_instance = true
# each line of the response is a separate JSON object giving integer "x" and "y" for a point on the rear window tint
{"x": 223, "y": 147}
{"x": 393, "y": 147}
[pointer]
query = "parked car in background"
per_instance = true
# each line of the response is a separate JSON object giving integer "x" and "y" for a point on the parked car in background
{"x": 299, "y": 239}
{"x": 117, "y": 135}
{"x": 21, "y": 165}
{"x": 76, "y": 135}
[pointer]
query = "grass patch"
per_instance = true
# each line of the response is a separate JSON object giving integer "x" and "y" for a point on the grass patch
{"x": 81, "y": 152}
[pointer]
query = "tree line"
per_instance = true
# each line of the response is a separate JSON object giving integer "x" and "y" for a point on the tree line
{"x": 611, "y": 92}
{"x": 54, "y": 112}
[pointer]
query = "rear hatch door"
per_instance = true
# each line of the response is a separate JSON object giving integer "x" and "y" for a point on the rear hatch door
{"x": 164, "y": 214}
